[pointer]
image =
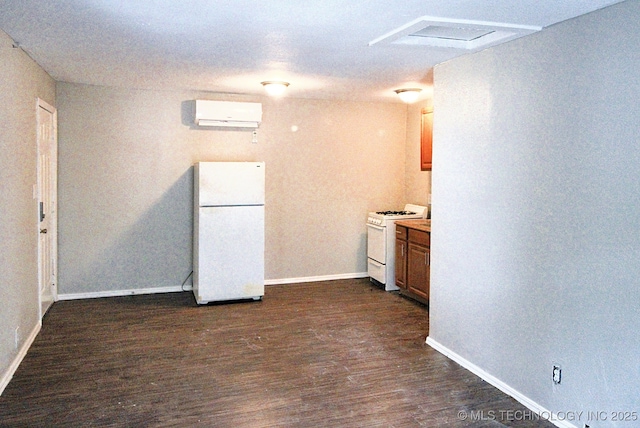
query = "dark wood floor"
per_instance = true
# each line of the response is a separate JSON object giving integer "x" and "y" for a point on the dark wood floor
{"x": 329, "y": 354}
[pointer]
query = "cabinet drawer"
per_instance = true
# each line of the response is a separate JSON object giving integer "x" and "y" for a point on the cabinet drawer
{"x": 401, "y": 232}
{"x": 419, "y": 237}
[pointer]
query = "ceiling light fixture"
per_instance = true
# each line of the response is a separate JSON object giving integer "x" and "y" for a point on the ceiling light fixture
{"x": 408, "y": 95}
{"x": 275, "y": 88}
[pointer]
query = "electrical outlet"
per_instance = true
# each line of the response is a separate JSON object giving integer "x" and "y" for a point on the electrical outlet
{"x": 557, "y": 375}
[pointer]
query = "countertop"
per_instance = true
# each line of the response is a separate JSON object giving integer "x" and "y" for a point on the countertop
{"x": 418, "y": 224}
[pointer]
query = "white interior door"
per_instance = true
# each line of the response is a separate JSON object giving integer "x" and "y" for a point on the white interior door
{"x": 47, "y": 203}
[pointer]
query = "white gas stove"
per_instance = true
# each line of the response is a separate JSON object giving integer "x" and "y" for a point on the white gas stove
{"x": 381, "y": 235}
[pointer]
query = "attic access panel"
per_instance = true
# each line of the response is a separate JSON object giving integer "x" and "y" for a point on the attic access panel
{"x": 454, "y": 33}
{"x": 451, "y": 33}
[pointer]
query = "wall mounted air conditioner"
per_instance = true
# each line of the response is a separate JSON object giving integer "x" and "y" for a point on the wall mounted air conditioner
{"x": 228, "y": 114}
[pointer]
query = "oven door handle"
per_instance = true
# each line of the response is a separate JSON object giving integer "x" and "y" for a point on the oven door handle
{"x": 375, "y": 226}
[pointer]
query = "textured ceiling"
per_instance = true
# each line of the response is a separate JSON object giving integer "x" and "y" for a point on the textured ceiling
{"x": 321, "y": 47}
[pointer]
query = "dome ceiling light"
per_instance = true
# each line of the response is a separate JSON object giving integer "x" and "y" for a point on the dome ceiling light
{"x": 408, "y": 95}
{"x": 275, "y": 88}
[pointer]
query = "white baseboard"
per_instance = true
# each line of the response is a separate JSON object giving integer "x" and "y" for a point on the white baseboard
{"x": 530, "y": 404}
{"x": 316, "y": 278}
{"x": 175, "y": 289}
{"x": 117, "y": 293}
{"x": 8, "y": 375}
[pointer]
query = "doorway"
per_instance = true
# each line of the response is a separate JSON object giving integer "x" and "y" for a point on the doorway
{"x": 47, "y": 197}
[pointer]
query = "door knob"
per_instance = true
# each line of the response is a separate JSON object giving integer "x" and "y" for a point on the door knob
{"x": 43, "y": 230}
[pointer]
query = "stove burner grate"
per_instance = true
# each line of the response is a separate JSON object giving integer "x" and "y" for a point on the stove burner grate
{"x": 395, "y": 212}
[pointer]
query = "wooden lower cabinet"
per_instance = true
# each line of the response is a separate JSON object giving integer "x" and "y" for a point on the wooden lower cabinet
{"x": 413, "y": 262}
{"x": 418, "y": 270}
{"x": 401, "y": 257}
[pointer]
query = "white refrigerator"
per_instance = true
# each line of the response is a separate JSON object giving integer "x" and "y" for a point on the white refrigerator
{"x": 228, "y": 241}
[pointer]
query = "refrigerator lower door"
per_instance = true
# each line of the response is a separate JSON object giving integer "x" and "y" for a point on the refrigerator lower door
{"x": 229, "y": 254}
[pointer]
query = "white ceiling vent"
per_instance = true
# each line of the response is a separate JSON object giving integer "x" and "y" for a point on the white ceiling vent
{"x": 454, "y": 33}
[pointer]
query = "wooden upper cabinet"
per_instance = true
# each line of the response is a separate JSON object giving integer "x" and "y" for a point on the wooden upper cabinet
{"x": 426, "y": 138}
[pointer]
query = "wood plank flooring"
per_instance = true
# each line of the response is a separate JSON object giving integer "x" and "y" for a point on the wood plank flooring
{"x": 327, "y": 354}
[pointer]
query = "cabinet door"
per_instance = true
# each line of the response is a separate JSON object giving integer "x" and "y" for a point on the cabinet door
{"x": 426, "y": 140}
{"x": 401, "y": 263}
{"x": 418, "y": 270}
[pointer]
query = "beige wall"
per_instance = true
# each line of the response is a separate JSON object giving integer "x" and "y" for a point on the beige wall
{"x": 22, "y": 81}
{"x": 417, "y": 182}
{"x": 125, "y": 182}
{"x": 536, "y": 223}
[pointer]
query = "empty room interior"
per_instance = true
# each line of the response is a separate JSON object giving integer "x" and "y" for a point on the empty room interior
{"x": 260, "y": 214}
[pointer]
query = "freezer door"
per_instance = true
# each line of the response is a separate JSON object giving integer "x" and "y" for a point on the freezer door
{"x": 229, "y": 257}
{"x": 229, "y": 183}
